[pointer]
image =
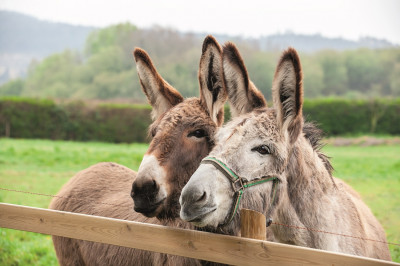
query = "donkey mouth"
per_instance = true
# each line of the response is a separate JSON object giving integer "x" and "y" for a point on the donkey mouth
{"x": 150, "y": 210}
{"x": 198, "y": 220}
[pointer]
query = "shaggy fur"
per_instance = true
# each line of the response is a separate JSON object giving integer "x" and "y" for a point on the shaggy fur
{"x": 109, "y": 183}
{"x": 104, "y": 189}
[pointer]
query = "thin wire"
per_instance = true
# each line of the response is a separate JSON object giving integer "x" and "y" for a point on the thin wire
{"x": 285, "y": 225}
{"x": 325, "y": 232}
{"x": 53, "y": 196}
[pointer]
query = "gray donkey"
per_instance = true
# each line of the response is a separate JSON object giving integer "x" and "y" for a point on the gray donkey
{"x": 269, "y": 160}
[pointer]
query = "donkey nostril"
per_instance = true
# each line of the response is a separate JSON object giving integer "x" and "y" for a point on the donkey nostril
{"x": 154, "y": 184}
{"x": 203, "y": 197}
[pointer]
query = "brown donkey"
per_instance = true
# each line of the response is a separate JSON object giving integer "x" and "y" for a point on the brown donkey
{"x": 183, "y": 133}
{"x": 269, "y": 160}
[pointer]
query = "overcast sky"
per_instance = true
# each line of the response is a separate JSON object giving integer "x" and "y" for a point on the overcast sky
{"x": 350, "y": 19}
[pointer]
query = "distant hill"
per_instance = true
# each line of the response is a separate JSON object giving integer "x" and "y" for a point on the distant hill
{"x": 305, "y": 43}
{"x": 23, "y": 34}
{"x": 317, "y": 42}
{"x": 24, "y": 38}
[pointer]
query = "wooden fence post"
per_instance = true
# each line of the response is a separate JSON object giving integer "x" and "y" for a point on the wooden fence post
{"x": 252, "y": 224}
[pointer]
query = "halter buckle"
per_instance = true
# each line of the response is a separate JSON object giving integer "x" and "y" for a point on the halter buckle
{"x": 237, "y": 185}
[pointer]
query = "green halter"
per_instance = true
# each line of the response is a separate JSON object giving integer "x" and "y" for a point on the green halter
{"x": 239, "y": 184}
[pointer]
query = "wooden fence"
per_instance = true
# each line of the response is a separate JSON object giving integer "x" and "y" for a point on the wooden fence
{"x": 187, "y": 243}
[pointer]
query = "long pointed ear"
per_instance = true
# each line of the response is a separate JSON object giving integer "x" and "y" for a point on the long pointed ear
{"x": 160, "y": 94}
{"x": 243, "y": 94}
{"x": 287, "y": 94}
{"x": 211, "y": 78}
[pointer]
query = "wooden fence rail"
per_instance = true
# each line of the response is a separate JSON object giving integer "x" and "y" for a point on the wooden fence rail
{"x": 187, "y": 243}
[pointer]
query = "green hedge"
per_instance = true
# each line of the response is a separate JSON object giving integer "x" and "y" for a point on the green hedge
{"x": 29, "y": 118}
{"x": 354, "y": 117}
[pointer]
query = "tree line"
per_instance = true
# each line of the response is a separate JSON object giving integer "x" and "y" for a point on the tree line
{"x": 105, "y": 69}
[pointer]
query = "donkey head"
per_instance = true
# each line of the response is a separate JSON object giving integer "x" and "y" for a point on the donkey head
{"x": 253, "y": 147}
{"x": 182, "y": 131}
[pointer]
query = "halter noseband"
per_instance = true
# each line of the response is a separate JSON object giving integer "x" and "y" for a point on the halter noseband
{"x": 239, "y": 184}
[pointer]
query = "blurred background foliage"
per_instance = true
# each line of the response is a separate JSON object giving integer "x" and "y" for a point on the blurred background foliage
{"x": 105, "y": 69}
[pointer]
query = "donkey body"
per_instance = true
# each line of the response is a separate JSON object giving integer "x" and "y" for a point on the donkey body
{"x": 107, "y": 183}
{"x": 276, "y": 143}
{"x": 183, "y": 133}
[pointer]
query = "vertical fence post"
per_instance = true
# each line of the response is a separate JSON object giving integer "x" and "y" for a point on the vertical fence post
{"x": 252, "y": 224}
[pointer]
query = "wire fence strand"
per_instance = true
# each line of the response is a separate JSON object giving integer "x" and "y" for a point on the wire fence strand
{"x": 331, "y": 233}
{"x": 53, "y": 196}
{"x": 274, "y": 223}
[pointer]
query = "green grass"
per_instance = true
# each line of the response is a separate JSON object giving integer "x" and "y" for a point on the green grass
{"x": 374, "y": 172}
{"x": 44, "y": 166}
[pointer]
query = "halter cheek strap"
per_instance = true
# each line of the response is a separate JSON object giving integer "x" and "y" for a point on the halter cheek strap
{"x": 239, "y": 184}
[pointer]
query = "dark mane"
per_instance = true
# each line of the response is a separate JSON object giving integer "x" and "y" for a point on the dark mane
{"x": 314, "y": 135}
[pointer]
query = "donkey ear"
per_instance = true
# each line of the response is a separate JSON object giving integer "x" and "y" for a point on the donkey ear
{"x": 287, "y": 94}
{"x": 160, "y": 94}
{"x": 211, "y": 78}
{"x": 243, "y": 94}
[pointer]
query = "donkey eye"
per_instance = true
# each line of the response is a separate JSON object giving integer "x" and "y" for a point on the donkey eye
{"x": 263, "y": 149}
{"x": 153, "y": 132}
{"x": 199, "y": 133}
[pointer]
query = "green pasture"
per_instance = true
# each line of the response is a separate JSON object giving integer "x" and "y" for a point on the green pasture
{"x": 43, "y": 166}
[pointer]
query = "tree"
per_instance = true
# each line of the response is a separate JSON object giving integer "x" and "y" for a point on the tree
{"x": 116, "y": 35}
{"x": 261, "y": 67}
{"x": 395, "y": 80}
{"x": 313, "y": 75}
{"x": 12, "y": 88}
{"x": 334, "y": 73}
{"x": 53, "y": 73}
{"x": 363, "y": 70}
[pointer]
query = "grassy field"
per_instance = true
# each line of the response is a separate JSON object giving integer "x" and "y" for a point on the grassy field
{"x": 44, "y": 166}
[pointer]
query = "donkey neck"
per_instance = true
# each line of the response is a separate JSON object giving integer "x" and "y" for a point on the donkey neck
{"x": 306, "y": 172}
{"x": 307, "y": 182}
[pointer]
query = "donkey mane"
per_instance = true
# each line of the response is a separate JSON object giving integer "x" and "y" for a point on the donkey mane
{"x": 314, "y": 136}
